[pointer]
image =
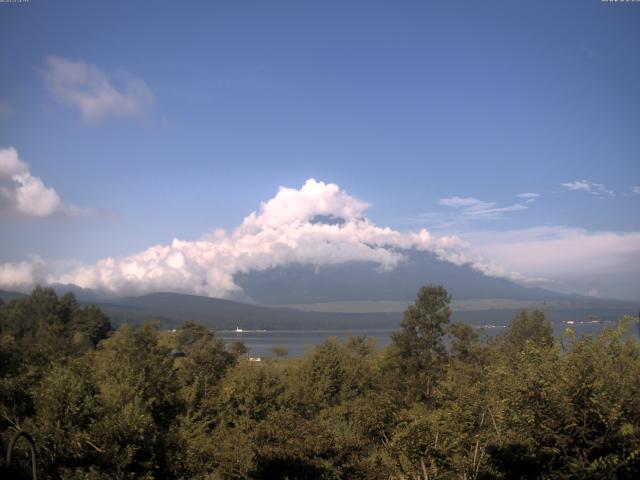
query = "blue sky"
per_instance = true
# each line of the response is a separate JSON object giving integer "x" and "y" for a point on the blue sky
{"x": 437, "y": 114}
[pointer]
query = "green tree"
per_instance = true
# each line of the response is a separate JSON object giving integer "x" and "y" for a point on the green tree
{"x": 201, "y": 365}
{"x": 529, "y": 327}
{"x": 91, "y": 324}
{"x": 138, "y": 402}
{"x": 66, "y": 407}
{"x": 417, "y": 354}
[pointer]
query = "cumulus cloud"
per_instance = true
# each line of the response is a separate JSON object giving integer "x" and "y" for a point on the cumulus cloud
{"x": 597, "y": 189}
{"x": 321, "y": 224}
{"x": 471, "y": 208}
{"x": 318, "y": 224}
{"x": 21, "y": 275}
{"x": 21, "y": 192}
{"x": 88, "y": 89}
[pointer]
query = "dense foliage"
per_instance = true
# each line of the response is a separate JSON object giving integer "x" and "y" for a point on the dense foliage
{"x": 439, "y": 403}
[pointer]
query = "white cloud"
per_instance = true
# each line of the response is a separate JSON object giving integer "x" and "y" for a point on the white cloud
{"x": 471, "y": 208}
{"x": 321, "y": 224}
{"x": 572, "y": 258}
{"x": 21, "y": 192}
{"x": 636, "y": 189}
{"x": 597, "y": 189}
{"x": 88, "y": 89}
{"x": 544, "y": 249}
{"x": 529, "y": 197}
{"x": 285, "y": 230}
{"x": 21, "y": 275}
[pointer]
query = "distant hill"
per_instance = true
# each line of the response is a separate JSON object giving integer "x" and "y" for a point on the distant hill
{"x": 7, "y": 296}
{"x": 172, "y": 309}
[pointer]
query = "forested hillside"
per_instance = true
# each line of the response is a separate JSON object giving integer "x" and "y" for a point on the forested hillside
{"x": 141, "y": 402}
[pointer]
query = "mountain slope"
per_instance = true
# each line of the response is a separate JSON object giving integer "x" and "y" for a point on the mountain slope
{"x": 365, "y": 281}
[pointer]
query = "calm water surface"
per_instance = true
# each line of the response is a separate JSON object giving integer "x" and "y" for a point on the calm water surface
{"x": 298, "y": 342}
{"x": 260, "y": 343}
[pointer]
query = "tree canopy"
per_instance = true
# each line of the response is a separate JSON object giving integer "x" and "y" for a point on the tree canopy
{"x": 442, "y": 401}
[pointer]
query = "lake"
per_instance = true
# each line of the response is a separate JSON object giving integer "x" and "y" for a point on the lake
{"x": 260, "y": 342}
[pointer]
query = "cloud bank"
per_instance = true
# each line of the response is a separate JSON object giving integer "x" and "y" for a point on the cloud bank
{"x": 88, "y": 89}
{"x": 321, "y": 224}
{"x": 20, "y": 192}
{"x": 570, "y": 259}
{"x": 21, "y": 275}
{"x": 318, "y": 224}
